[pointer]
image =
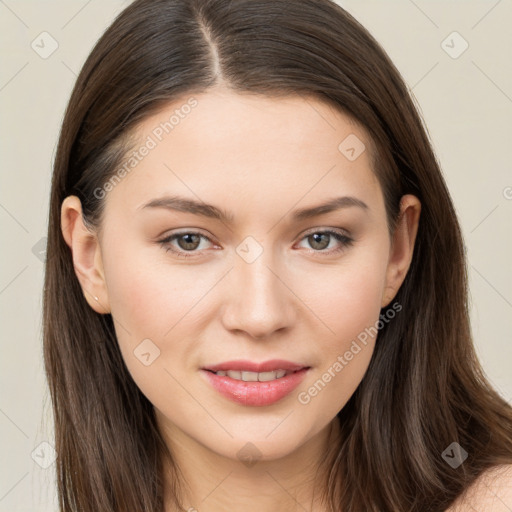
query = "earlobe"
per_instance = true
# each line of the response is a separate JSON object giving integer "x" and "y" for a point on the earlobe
{"x": 402, "y": 247}
{"x": 86, "y": 254}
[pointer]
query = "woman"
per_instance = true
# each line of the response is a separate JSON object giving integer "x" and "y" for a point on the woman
{"x": 256, "y": 292}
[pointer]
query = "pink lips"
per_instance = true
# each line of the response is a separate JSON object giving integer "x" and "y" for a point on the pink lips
{"x": 255, "y": 393}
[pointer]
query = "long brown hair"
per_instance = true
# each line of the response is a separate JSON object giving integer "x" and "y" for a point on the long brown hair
{"x": 424, "y": 388}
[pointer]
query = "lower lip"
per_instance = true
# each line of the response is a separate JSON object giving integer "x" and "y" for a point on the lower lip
{"x": 255, "y": 393}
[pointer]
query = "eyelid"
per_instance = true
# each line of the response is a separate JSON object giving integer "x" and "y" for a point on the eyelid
{"x": 191, "y": 231}
{"x": 341, "y": 235}
{"x": 339, "y": 231}
{"x": 166, "y": 241}
{"x": 344, "y": 239}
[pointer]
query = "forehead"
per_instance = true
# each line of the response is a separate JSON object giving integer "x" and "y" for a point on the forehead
{"x": 226, "y": 118}
{"x": 247, "y": 151}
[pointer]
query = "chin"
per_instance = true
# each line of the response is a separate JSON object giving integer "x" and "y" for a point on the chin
{"x": 267, "y": 440}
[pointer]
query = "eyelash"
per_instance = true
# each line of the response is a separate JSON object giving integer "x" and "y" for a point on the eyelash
{"x": 340, "y": 237}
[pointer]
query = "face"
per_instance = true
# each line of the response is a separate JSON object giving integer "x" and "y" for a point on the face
{"x": 257, "y": 282}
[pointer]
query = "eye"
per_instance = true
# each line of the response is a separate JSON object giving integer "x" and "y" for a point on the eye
{"x": 188, "y": 242}
{"x": 320, "y": 240}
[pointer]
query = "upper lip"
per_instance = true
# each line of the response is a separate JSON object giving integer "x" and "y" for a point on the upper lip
{"x": 250, "y": 366}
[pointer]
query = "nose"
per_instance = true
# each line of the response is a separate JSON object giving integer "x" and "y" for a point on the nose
{"x": 260, "y": 301}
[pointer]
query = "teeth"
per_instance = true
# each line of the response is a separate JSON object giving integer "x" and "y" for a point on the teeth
{"x": 254, "y": 376}
{"x": 266, "y": 376}
{"x": 250, "y": 376}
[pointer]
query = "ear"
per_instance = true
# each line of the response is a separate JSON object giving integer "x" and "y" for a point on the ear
{"x": 85, "y": 249}
{"x": 402, "y": 246}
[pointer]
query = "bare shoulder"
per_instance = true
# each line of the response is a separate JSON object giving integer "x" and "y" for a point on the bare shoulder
{"x": 491, "y": 492}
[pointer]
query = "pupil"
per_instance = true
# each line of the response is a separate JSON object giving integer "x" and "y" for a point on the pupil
{"x": 316, "y": 237}
{"x": 188, "y": 237}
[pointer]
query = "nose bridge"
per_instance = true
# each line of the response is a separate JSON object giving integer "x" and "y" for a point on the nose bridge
{"x": 259, "y": 303}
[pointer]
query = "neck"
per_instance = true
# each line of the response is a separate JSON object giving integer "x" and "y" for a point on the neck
{"x": 212, "y": 482}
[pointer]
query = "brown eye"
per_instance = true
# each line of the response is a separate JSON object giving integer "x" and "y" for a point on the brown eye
{"x": 188, "y": 241}
{"x": 319, "y": 241}
{"x": 185, "y": 242}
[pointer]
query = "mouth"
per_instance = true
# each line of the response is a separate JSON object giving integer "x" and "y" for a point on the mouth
{"x": 255, "y": 384}
{"x": 247, "y": 376}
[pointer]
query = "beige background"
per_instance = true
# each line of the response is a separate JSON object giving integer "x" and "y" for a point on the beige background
{"x": 467, "y": 105}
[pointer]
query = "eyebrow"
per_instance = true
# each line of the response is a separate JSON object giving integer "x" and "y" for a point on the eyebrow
{"x": 185, "y": 205}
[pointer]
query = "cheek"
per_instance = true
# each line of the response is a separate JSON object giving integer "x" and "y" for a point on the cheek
{"x": 359, "y": 300}
{"x": 349, "y": 303}
{"x": 147, "y": 296}
{"x": 348, "y": 297}
{"x": 151, "y": 300}
{"x": 149, "y": 307}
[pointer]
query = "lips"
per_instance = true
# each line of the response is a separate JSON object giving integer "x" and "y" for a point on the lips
{"x": 250, "y": 366}
{"x": 255, "y": 384}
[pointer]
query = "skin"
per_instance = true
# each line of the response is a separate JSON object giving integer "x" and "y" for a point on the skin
{"x": 259, "y": 158}
{"x": 491, "y": 492}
